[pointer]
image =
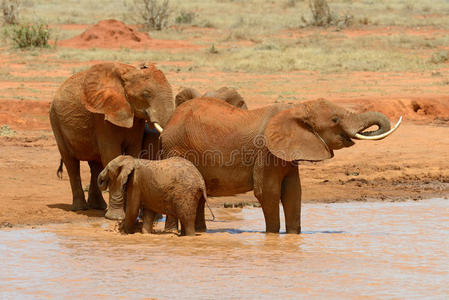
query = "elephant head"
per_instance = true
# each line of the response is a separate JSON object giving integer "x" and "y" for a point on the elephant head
{"x": 115, "y": 176}
{"x": 122, "y": 92}
{"x": 229, "y": 95}
{"x": 186, "y": 94}
{"x": 312, "y": 130}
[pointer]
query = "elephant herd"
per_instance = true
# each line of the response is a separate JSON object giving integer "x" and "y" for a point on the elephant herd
{"x": 166, "y": 155}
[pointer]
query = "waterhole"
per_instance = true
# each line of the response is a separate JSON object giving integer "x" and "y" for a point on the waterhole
{"x": 346, "y": 250}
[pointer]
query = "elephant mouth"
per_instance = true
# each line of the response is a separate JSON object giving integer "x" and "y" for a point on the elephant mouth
{"x": 346, "y": 140}
{"x": 156, "y": 125}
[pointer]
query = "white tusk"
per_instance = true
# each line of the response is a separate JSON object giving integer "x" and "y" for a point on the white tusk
{"x": 380, "y": 136}
{"x": 158, "y": 127}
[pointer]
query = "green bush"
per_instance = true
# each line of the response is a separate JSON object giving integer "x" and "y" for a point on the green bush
{"x": 28, "y": 35}
{"x": 185, "y": 17}
{"x": 5, "y": 130}
{"x": 440, "y": 57}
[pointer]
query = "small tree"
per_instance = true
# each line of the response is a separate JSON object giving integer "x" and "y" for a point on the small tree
{"x": 321, "y": 13}
{"x": 154, "y": 13}
{"x": 10, "y": 11}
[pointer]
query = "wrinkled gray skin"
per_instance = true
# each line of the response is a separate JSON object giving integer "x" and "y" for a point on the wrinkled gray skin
{"x": 237, "y": 150}
{"x": 99, "y": 114}
{"x": 172, "y": 186}
{"x": 151, "y": 143}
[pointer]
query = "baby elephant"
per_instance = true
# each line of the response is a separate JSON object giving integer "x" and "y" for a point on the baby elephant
{"x": 172, "y": 186}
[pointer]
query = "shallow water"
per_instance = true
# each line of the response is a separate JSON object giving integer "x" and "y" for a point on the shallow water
{"x": 347, "y": 250}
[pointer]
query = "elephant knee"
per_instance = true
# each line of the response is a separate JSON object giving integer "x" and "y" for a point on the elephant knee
{"x": 258, "y": 193}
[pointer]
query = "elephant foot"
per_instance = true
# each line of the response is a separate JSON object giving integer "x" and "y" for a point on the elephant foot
{"x": 171, "y": 224}
{"x": 115, "y": 214}
{"x": 201, "y": 228}
{"x": 171, "y": 230}
{"x": 96, "y": 203}
{"x": 293, "y": 229}
{"x": 79, "y": 205}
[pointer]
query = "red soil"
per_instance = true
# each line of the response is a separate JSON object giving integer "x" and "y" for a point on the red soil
{"x": 115, "y": 34}
{"x": 25, "y": 114}
{"x": 417, "y": 109}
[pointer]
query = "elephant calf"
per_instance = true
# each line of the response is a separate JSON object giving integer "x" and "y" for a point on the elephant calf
{"x": 172, "y": 186}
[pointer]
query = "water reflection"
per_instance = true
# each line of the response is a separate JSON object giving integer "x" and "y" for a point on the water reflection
{"x": 347, "y": 250}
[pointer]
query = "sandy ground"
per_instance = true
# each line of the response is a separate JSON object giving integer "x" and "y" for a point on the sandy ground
{"x": 412, "y": 164}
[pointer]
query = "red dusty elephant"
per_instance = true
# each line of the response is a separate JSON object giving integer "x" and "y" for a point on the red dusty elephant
{"x": 238, "y": 150}
{"x": 99, "y": 114}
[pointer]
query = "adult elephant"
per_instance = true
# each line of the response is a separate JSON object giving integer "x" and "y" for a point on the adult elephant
{"x": 99, "y": 114}
{"x": 151, "y": 142}
{"x": 238, "y": 150}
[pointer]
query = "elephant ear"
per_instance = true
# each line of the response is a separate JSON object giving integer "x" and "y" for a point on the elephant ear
{"x": 120, "y": 168}
{"x": 185, "y": 95}
{"x": 104, "y": 93}
{"x": 290, "y": 137}
{"x": 230, "y": 95}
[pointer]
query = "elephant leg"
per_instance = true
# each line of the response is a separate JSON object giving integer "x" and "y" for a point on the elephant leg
{"x": 148, "y": 220}
{"x": 132, "y": 209}
{"x": 188, "y": 227}
{"x": 291, "y": 201}
{"x": 73, "y": 169}
{"x": 95, "y": 198}
{"x": 267, "y": 189}
{"x": 270, "y": 208}
{"x": 200, "y": 221}
{"x": 171, "y": 224}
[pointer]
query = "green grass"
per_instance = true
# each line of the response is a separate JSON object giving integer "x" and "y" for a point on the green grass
{"x": 226, "y": 14}
{"x": 261, "y": 22}
{"x": 391, "y": 54}
{"x": 5, "y": 130}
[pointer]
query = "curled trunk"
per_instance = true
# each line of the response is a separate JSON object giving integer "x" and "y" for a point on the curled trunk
{"x": 368, "y": 119}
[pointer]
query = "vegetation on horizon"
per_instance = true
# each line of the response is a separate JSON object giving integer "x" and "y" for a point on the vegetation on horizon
{"x": 153, "y": 14}
{"x": 266, "y": 36}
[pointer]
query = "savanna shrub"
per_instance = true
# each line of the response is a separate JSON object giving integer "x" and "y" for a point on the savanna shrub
{"x": 28, "y": 35}
{"x": 185, "y": 17}
{"x": 153, "y": 13}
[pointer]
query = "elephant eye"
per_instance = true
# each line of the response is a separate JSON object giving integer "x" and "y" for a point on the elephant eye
{"x": 147, "y": 94}
{"x": 335, "y": 119}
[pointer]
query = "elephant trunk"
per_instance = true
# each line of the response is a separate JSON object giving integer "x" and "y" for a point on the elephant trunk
{"x": 161, "y": 111}
{"x": 371, "y": 118}
{"x": 115, "y": 209}
{"x": 359, "y": 122}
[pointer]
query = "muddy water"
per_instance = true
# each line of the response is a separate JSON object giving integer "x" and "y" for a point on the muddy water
{"x": 346, "y": 250}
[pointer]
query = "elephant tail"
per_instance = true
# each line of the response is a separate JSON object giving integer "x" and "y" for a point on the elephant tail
{"x": 59, "y": 171}
{"x": 207, "y": 203}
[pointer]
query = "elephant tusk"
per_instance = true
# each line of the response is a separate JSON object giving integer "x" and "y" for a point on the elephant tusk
{"x": 380, "y": 136}
{"x": 158, "y": 127}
